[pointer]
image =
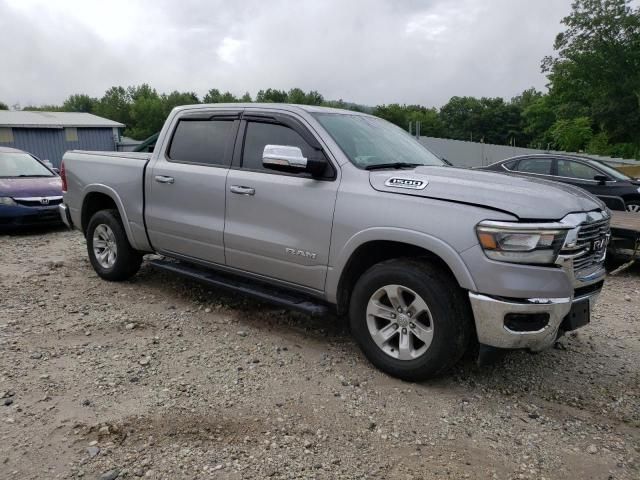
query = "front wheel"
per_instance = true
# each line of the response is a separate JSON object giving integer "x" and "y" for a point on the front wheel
{"x": 410, "y": 318}
{"x": 110, "y": 253}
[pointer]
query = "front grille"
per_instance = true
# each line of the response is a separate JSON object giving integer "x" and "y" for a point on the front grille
{"x": 592, "y": 240}
{"x": 36, "y": 202}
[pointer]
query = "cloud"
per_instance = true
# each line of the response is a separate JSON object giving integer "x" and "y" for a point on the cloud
{"x": 368, "y": 51}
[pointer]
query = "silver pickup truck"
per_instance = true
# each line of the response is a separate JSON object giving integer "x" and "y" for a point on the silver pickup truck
{"x": 319, "y": 209}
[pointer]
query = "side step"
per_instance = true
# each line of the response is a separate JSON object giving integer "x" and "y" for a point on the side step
{"x": 260, "y": 291}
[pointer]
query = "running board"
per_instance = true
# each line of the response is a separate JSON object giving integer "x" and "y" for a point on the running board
{"x": 260, "y": 291}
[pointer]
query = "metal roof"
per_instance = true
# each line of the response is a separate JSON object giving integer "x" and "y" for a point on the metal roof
{"x": 36, "y": 119}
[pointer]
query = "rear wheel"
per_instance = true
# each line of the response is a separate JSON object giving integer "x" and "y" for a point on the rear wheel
{"x": 410, "y": 318}
{"x": 110, "y": 253}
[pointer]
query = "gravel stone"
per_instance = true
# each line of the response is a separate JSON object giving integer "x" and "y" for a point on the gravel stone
{"x": 213, "y": 385}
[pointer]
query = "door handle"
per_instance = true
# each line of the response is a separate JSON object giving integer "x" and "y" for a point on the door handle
{"x": 164, "y": 179}
{"x": 242, "y": 190}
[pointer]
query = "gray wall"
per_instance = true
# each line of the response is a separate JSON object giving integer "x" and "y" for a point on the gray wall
{"x": 472, "y": 154}
{"x": 50, "y": 143}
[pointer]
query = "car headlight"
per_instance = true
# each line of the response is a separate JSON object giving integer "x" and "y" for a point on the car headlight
{"x": 8, "y": 201}
{"x": 520, "y": 243}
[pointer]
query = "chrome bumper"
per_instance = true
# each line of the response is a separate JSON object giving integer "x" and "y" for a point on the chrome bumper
{"x": 65, "y": 215}
{"x": 490, "y": 312}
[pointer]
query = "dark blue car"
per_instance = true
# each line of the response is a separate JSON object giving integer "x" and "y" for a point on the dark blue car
{"x": 30, "y": 192}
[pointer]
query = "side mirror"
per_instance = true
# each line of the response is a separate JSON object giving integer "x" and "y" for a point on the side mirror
{"x": 56, "y": 170}
{"x": 290, "y": 159}
{"x": 601, "y": 179}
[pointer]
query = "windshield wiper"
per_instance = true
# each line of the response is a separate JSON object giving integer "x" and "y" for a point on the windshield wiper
{"x": 396, "y": 165}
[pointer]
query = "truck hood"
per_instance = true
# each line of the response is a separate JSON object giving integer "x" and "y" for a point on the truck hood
{"x": 526, "y": 198}
{"x": 31, "y": 187}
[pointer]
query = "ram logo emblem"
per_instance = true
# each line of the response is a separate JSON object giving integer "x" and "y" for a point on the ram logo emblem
{"x": 411, "y": 183}
{"x": 300, "y": 253}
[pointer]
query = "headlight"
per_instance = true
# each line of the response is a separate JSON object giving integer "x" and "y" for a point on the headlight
{"x": 7, "y": 201}
{"x": 520, "y": 243}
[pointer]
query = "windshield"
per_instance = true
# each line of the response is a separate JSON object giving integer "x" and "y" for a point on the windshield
{"x": 18, "y": 164}
{"x": 612, "y": 172}
{"x": 370, "y": 141}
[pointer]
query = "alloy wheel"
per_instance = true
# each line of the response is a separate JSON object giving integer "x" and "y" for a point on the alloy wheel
{"x": 105, "y": 247}
{"x": 400, "y": 322}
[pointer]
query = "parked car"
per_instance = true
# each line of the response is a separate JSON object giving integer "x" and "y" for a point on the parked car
{"x": 30, "y": 192}
{"x": 617, "y": 190}
{"x": 320, "y": 209}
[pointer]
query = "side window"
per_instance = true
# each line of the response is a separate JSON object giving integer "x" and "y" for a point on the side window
{"x": 510, "y": 164}
{"x": 201, "y": 141}
{"x": 260, "y": 134}
{"x": 541, "y": 166}
{"x": 570, "y": 169}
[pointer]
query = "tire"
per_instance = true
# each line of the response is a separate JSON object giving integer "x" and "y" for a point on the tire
{"x": 448, "y": 317}
{"x": 633, "y": 206}
{"x": 121, "y": 260}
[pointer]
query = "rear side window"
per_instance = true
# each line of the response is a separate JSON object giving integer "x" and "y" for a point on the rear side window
{"x": 567, "y": 168}
{"x": 260, "y": 134}
{"x": 510, "y": 164}
{"x": 201, "y": 141}
{"x": 541, "y": 166}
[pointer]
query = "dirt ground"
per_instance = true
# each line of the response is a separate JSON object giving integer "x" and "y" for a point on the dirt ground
{"x": 159, "y": 377}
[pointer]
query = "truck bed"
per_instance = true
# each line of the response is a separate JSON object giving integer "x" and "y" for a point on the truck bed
{"x": 120, "y": 175}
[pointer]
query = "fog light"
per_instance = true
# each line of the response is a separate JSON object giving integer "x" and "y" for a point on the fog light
{"x": 526, "y": 322}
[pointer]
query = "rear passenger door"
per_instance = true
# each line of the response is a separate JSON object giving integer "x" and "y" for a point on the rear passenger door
{"x": 186, "y": 187}
{"x": 278, "y": 225}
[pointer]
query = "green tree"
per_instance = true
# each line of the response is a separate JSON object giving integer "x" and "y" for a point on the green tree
{"x": 214, "y": 96}
{"x": 115, "y": 105}
{"x": 538, "y": 117}
{"x": 572, "y": 135}
{"x": 148, "y": 112}
{"x": 79, "y": 103}
{"x": 42, "y": 108}
{"x": 296, "y": 95}
{"x": 246, "y": 98}
{"x": 596, "y": 69}
{"x": 271, "y": 95}
{"x": 4, "y": 106}
{"x": 176, "y": 99}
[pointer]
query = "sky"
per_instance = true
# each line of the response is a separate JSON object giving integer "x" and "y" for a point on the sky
{"x": 365, "y": 51}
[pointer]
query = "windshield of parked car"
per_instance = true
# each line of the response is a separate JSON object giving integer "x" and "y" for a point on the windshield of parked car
{"x": 612, "y": 172}
{"x": 370, "y": 142}
{"x": 18, "y": 164}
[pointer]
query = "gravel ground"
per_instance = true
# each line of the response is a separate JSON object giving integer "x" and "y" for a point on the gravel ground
{"x": 161, "y": 378}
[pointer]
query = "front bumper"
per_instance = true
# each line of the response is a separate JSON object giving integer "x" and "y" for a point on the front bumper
{"x": 491, "y": 315}
{"x": 21, "y": 216}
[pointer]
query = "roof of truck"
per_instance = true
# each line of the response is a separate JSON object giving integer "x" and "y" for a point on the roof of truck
{"x": 283, "y": 106}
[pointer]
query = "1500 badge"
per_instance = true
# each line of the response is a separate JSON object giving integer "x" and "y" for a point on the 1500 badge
{"x": 411, "y": 183}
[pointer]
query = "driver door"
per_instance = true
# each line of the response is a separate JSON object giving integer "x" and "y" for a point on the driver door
{"x": 278, "y": 225}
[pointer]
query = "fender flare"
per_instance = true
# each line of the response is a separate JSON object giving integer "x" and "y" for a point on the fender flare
{"x": 401, "y": 235}
{"x": 113, "y": 195}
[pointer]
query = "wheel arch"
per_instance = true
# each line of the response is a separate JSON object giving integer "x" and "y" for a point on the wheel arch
{"x": 376, "y": 245}
{"x": 632, "y": 197}
{"x": 102, "y": 197}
